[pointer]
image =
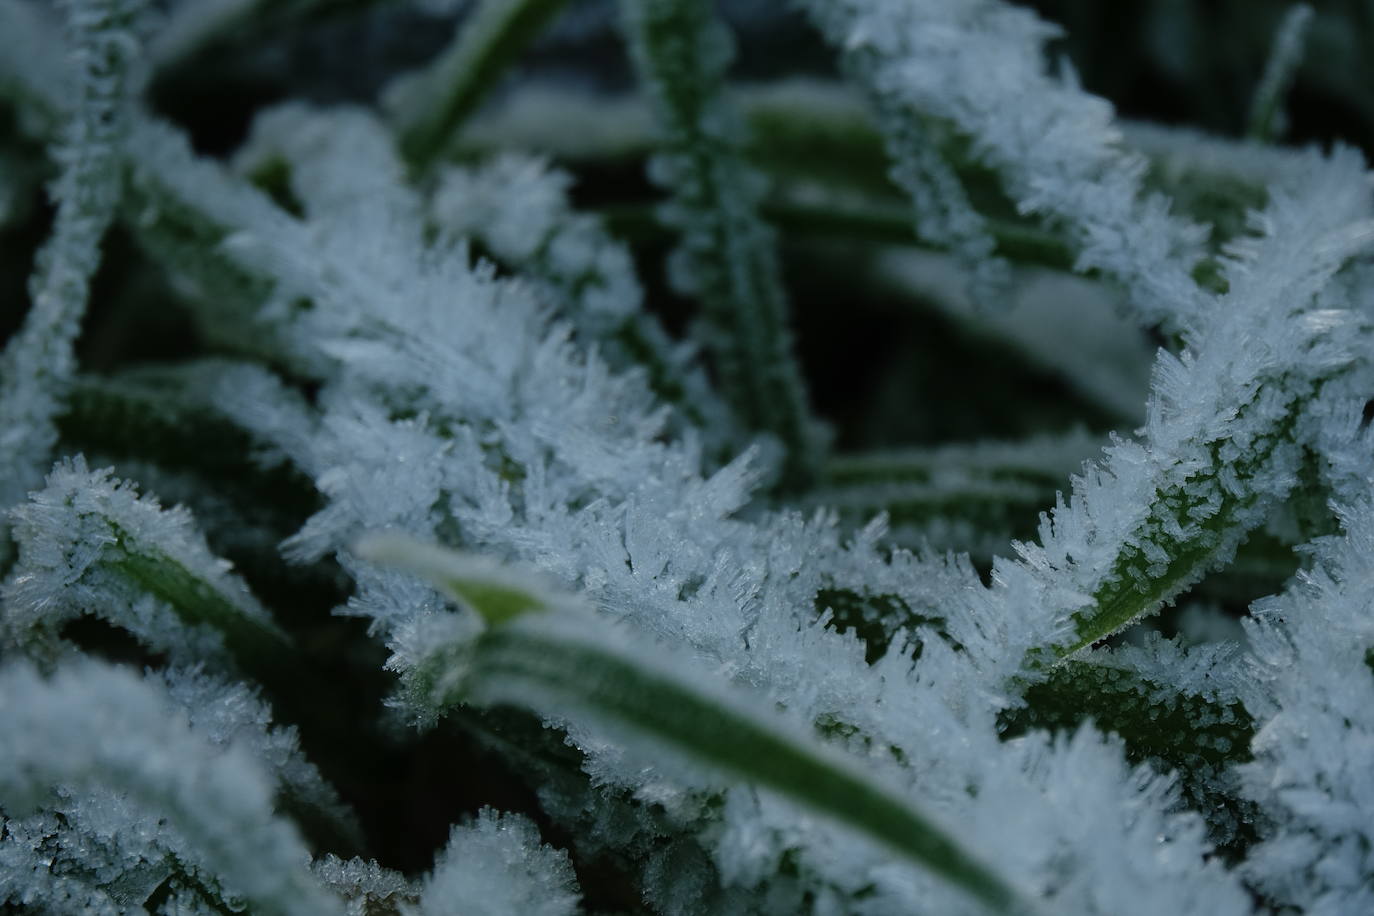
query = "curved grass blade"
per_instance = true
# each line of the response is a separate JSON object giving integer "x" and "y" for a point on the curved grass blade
{"x": 542, "y": 653}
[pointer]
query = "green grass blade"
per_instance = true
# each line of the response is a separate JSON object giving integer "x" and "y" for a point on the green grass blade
{"x": 564, "y": 662}
{"x": 429, "y": 108}
{"x": 1266, "y": 109}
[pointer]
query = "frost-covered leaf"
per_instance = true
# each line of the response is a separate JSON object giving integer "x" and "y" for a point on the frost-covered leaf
{"x": 1181, "y": 710}
{"x": 99, "y": 730}
{"x": 89, "y": 544}
{"x": 517, "y": 207}
{"x": 979, "y": 68}
{"x": 1219, "y": 450}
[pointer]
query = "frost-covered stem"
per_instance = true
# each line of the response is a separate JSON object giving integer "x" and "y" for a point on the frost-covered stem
{"x": 728, "y": 256}
{"x": 944, "y": 215}
{"x": 976, "y": 70}
{"x": 428, "y": 107}
{"x": 39, "y": 362}
{"x": 1266, "y": 108}
{"x": 93, "y": 727}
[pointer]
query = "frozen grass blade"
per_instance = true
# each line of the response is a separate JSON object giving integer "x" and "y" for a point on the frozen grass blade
{"x": 39, "y": 362}
{"x": 90, "y": 544}
{"x": 92, "y": 727}
{"x": 728, "y": 257}
{"x": 1221, "y": 448}
{"x": 977, "y": 71}
{"x": 556, "y": 661}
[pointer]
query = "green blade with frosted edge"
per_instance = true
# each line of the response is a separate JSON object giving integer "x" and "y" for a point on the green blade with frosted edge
{"x": 430, "y": 110}
{"x": 1197, "y": 737}
{"x": 84, "y": 527}
{"x": 490, "y": 589}
{"x": 1131, "y": 591}
{"x": 517, "y": 663}
{"x": 538, "y": 661}
{"x": 146, "y": 415}
{"x": 195, "y": 602}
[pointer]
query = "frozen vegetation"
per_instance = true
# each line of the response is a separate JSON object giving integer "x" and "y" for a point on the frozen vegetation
{"x": 468, "y": 548}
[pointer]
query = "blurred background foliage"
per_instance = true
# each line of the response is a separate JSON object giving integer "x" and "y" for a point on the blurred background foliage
{"x": 885, "y": 367}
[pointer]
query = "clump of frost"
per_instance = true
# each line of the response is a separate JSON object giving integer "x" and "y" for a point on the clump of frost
{"x": 498, "y": 866}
